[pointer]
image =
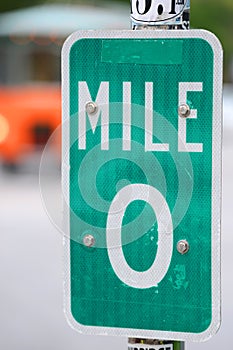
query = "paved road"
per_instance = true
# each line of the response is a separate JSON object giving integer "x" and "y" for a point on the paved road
{"x": 31, "y": 314}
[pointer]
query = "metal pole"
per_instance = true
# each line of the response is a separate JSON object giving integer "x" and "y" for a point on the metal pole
{"x": 158, "y": 15}
{"x": 162, "y": 14}
{"x": 154, "y": 344}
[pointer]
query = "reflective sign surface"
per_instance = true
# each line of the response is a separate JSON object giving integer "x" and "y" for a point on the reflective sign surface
{"x": 141, "y": 164}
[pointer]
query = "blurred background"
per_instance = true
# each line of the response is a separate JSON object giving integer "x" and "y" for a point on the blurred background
{"x": 31, "y": 267}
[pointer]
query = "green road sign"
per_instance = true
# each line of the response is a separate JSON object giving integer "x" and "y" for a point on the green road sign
{"x": 142, "y": 182}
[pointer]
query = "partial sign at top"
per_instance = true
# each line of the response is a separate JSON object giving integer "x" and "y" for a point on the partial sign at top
{"x": 158, "y": 11}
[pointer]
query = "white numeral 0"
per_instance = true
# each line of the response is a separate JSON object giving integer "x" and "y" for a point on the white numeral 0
{"x": 155, "y": 274}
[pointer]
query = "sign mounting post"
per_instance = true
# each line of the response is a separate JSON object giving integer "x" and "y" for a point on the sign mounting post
{"x": 162, "y": 14}
{"x": 142, "y": 179}
{"x": 170, "y": 15}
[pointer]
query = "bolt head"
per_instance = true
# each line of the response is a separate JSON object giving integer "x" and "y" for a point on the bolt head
{"x": 183, "y": 247}
{"x": 184, "y": 110}
{"x": 91, "y": 107}
{"x": 88, "y": 240}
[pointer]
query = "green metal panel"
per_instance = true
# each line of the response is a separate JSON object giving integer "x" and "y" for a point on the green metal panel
{"x": 182, "y": 300}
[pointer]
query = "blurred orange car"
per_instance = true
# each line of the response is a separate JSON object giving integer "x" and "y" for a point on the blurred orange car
{"x": 28, "y": 116}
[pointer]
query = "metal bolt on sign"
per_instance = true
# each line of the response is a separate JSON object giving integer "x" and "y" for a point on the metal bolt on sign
{"x": 183, "y": 247}
{"x": 89, "y": 240}
{"x": 184, "y": 111}
{"x": 91, "y": 107}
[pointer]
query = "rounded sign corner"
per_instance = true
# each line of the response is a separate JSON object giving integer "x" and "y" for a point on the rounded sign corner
{"x": 210, "y": 332}
{"x": 70, "y": 40}
{"x": 210, "y": 38}
{"x": 70, "y": 318}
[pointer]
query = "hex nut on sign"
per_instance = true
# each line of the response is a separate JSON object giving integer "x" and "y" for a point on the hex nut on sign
{"x": 183, "y": 247}
{"x": 91, "y": 107}
{"x": 184, "y": 110}
{"x": 89, "y": 241}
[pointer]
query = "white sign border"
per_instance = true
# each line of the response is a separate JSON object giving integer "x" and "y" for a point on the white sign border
{"x": 216, "y": 183}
